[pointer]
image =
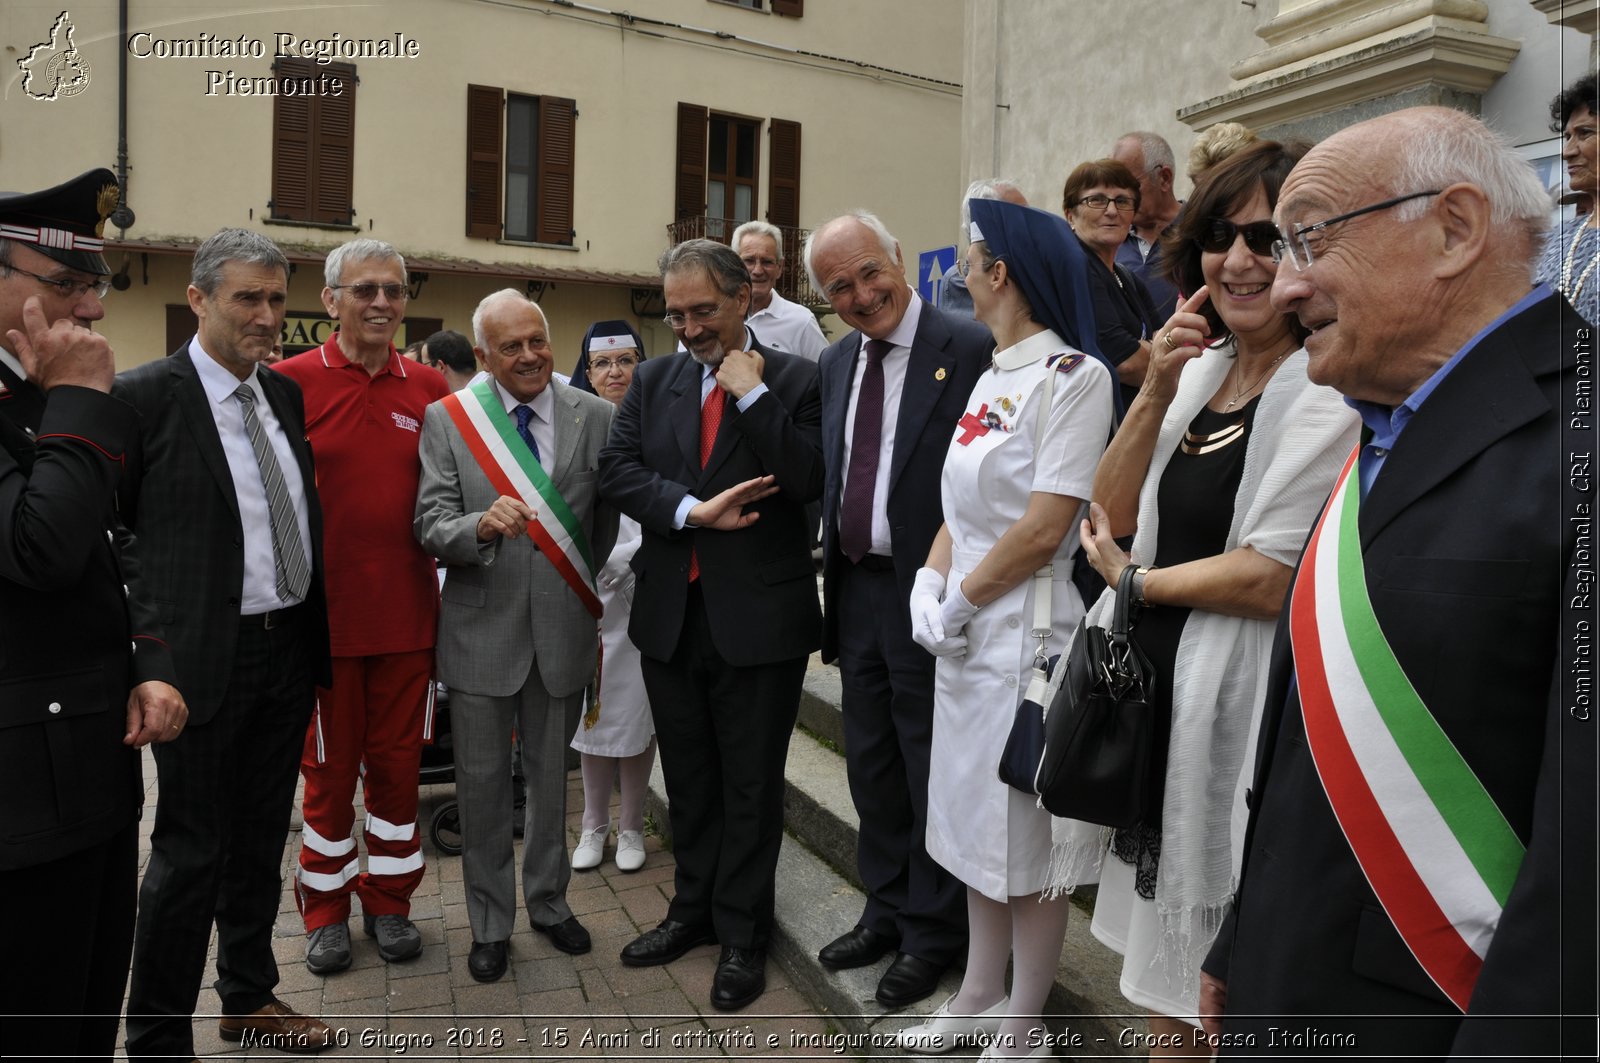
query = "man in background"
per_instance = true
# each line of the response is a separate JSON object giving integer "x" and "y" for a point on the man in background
{"x": 1149, "y": 156}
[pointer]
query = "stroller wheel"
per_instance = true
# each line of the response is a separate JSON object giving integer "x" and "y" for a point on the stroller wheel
{"x": 445, "y": 830}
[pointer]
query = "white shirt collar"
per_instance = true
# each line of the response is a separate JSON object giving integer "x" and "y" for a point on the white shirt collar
{"x": 1029, "y": 350}
{"x": 905, "y": 333}
{"x": 543, "y": 404}
{"x": 219, "y": 383}
{"x": 705, "y": 370}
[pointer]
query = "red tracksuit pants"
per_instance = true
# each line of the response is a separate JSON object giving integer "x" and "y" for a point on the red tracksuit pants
{"x": 369, "y": 725}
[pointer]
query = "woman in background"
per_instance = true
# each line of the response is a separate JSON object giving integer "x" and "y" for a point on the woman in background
{"x": 1572, "y": 250}
{"x": 615, "y": 738}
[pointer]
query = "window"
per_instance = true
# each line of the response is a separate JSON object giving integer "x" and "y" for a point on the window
{"x": 520, "y": 152}
{"x": 313, "y": 143}
{"x": 792, "y": 8}
{"x": 718, "y": 170}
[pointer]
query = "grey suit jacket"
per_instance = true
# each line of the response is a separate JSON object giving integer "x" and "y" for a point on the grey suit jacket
{"x": 504, "y": 608}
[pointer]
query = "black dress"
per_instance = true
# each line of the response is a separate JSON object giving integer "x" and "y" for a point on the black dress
{"x": 1195, "y": 499}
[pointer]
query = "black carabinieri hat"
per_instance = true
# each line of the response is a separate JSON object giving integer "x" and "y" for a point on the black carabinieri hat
{"x": 66, "y": 222}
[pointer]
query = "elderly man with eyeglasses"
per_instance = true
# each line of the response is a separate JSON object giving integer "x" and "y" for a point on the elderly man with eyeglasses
{"x": 716, "y": 452}
{"x": 1419, "y": 869}
{"x": 364, "y": 410}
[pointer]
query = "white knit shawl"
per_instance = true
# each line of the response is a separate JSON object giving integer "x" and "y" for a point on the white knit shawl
{"x": 1300, "y": 439}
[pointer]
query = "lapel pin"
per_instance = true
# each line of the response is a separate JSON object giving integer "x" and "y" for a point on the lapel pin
{"x": 938, "y": 374}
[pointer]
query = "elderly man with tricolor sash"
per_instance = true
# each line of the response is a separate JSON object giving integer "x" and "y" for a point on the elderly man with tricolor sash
{"x": 1419, "y": 876}
{"x": 508, "y": 502}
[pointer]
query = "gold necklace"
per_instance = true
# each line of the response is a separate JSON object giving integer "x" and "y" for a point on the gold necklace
{"x": 1242, "y": 392}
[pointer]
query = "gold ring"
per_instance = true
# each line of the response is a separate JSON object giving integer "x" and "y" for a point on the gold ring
{"x": 1167, "y": 339}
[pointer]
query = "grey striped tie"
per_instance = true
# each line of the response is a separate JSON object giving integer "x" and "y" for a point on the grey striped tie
{"x": 288, "y": 552}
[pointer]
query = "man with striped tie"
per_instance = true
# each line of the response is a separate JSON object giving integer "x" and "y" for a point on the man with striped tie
{"x": 220, "y": 493}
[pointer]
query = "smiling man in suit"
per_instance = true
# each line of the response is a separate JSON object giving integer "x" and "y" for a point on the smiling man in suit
{"x": 508, "y": 500}
{"x": 715, "y": 453}
{"x": 221, "y": 496}
{"x": 1419, "y": 865}
{"x": 892, "y": 391}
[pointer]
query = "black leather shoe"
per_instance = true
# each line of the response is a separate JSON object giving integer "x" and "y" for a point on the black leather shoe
{"x": 908, "y": 980}
{"x": 487, "y": 961}
{"x": 741, "y": 977}
{"x": 665, "y": 943}
{"x": 568, "y": 935}
{"x": 858, "y": 948}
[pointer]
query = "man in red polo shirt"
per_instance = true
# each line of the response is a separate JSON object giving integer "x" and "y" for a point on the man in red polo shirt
{"x": 364, "y": 406}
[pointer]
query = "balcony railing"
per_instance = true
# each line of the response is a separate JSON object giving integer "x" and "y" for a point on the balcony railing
{"x": 793, "y": 285}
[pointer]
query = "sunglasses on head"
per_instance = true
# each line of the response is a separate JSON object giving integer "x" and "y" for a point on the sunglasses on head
{"x": 1217, "y": 236}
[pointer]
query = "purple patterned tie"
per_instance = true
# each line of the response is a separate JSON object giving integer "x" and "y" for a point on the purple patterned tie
{"x": 866, "y": 445}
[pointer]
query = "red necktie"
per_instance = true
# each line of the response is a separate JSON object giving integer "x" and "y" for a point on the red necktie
{"x": 866, "y": 446}
{"x": 710, "y": 421}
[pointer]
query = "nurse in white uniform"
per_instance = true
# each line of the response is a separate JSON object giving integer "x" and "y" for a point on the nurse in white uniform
{"x": 616, "y": 738}
{"x": 1011, "y": 497}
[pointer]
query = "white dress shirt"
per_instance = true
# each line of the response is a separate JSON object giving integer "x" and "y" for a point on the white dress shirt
{"x": 260, "y": 593}
{"x": 895, "y": 365}
{"x": 542, "y": 425}
{"x": 708, "y": 380}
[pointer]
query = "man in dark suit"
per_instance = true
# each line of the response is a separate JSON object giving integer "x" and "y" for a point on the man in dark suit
{"x": 221, "y": 496}
{"x": 76, "y": 698}
{"x": 1419, "y": 875}
{"x": 715, "y": 452}
{"x": 892, "y": 391}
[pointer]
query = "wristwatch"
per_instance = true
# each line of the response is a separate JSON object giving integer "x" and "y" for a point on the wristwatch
{"x": 1137, "y": 587}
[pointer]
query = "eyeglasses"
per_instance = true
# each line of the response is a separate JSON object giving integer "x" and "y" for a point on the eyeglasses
{"x": 1298, "y": 246}
{"x": 367, "y": 291}
{"x": 67, "y": 286}
{"x": 701, "y": 315}
{"x": 964, "y": 267}
{"x": 1099, "y": 202}
{"x": 1217, "y": 236}
{"x": 605, "y": 365}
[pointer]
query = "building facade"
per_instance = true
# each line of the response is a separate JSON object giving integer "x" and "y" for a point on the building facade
{"x": 551, "y": 146}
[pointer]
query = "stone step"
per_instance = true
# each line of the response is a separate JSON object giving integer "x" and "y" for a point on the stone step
{"x": 819, "y": 897}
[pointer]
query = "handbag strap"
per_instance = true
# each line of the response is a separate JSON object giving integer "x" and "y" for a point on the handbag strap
{"x": 1043, "y": 578}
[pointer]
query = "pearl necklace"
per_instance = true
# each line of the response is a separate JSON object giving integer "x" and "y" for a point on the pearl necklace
{"x": 1242, "y": 392}
{"x": 1566, "y": 286}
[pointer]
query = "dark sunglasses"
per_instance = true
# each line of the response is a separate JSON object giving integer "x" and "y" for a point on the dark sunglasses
{"x": 1217, "y": 236}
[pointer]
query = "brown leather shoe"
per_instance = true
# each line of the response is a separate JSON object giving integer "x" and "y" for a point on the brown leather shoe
{"x": 277, "y": 1026}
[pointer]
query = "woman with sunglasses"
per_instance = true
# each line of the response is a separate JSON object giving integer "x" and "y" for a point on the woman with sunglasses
{"x": 1218, "y": 471}
{"x": 1100, "y": 199}
{"x": 616, "y": 738}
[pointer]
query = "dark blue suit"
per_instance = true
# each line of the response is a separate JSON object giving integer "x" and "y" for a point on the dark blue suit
{"x": 887, "y": 678}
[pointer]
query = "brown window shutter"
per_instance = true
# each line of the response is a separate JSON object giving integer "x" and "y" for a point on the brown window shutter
{"x": 334, "y": 192}
{"x": 558, "y": 119}
{"x": 292, "y": 145}
{"x": 792, "y": 8}
{"x": 485, "y": 129}
{"x": 783, "y": 180}
{"x": 690, "y": 197}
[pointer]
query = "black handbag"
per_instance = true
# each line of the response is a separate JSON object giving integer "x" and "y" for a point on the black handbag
{"x": 1019, "y": 761}
{"x": 1099, "y": 727}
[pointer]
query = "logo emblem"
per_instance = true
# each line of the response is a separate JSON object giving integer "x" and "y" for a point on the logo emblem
{"x": 54, "y": 69}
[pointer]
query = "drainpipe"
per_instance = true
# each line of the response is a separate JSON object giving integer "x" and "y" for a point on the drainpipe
{"x": 122, "y": 217}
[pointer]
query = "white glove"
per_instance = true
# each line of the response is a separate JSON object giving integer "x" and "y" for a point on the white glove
{"x": 956, "y": 610}
{"x": 927, "y": 625}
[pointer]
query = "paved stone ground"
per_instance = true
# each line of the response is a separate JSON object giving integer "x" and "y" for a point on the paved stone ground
{"x": 549, "y": 1005}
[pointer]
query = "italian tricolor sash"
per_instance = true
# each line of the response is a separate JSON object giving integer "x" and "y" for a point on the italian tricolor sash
{"x": 508, "y": 463}
{"x": 1436, "y": 849}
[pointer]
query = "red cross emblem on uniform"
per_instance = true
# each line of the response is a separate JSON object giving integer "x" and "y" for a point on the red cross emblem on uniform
{"x": 974, "y": 425}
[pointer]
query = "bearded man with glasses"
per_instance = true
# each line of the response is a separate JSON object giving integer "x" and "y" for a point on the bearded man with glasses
{"x": 715, "y": 452}
{"x": 1419, "y": 865}
{"x": 364, "y": 412}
